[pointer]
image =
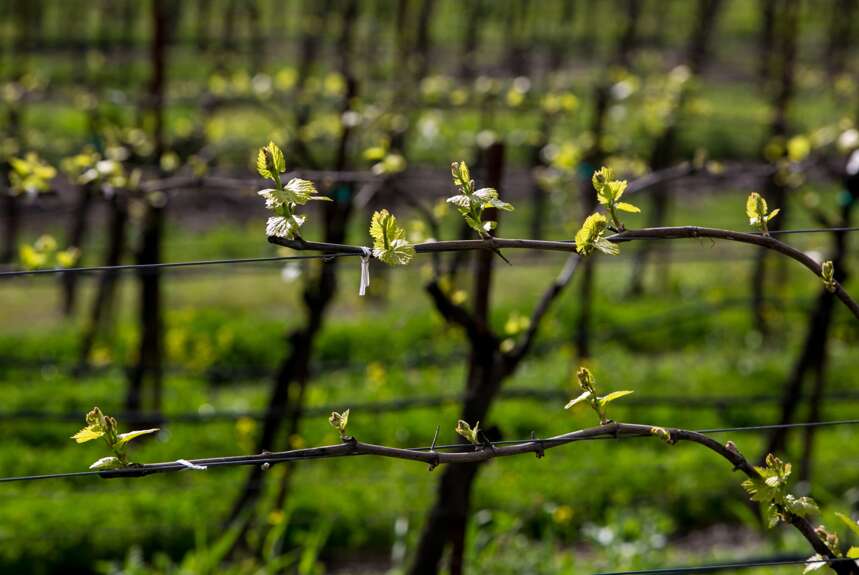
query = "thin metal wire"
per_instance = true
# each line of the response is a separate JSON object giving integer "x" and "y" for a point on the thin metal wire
{"x": 324, "y": 257}
{"x": 723, "y": 566}
{"x": 311, "y": 453}
{"x": 162, "y": 265}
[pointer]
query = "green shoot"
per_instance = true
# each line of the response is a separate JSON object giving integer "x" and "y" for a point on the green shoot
{"x": 469, "y": 433}
{"x": 470, "y": 202}
{"x": 589, "y": 395}
{"x": 771, "y": 489}
{"x": 827, "y": 273}
{"x": 609, "y": 191}
{"x": 339, "y": 421}
{"x": 758, "y": 212}
{"x": 283, "y": 199}
{"x": 105, "y": 427}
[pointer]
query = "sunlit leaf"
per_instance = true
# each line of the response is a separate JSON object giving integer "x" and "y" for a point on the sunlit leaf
{"x": 124, "y": 438}
{"x": 614, "y": 395}
{"x": 107, "y": 463}
{"x": 87, "y": 434}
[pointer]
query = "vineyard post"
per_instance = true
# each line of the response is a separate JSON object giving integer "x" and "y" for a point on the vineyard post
{"x": 560, "y": 44}
{"x": 103, "y": 301}
{"x": 149, "y": 365}
{"x": 840, "y": 37}
{"x": 472, "y": 16}
{"x": 75, "y": 238}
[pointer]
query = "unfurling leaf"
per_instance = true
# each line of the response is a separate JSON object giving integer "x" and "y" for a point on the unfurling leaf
{"x": 756, "y": 208}
{"x": 589, "y": 394}
{"x": 389, "y": 240}
{"x": 613, "y": 395}
{"x": 470, "y": 203}
{"x": 461, "y": 176}
{"x": 801, "y": 506}
{"x": 466, "y": 431}
{"x": 827, "y": 273}
{"x": 104, "y": 427}
{"x": 586, "y": 379}
{"x": 625, "y": 207}
{"x": 339, "y": 421}
{"x": 302, "y": 191}
{"x": 284, "y": 226}
{"x": 609, "y": 191}
{"x": 584, "y": 396}
{"x": 87, "y": 434}
{"x": 592, "y": 236}
{"x": 758, "y": 212}
{"x": 270, "y": 162}
{"x": 283, "y": 199}
{"x": 124, "y": 438}
{"x": 107, "y": 463}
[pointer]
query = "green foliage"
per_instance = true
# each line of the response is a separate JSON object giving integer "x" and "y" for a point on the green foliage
{"x": 89, "y": 169}
{"x": 471, "y": 203}
{"x": 758, "y": 212}
{"x": 827, "y": 273}
{"x": 44, "y": 254}
{"x": 283, "y": 199}
{"x": 101, "y": 426}
{"x": 592, "y": 236}
{"x": 389, "y": 240}
{"x": 609, "y": 191}
{"x": 850, "y": 523}
{"x": 589, "y": 395}
{"x": 339, "y": 421}
{"x": 771, "y": 489}
{"x": 30, "y": 175}
{"x": 469, "y": 433}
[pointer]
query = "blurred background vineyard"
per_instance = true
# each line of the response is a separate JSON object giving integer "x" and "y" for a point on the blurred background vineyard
{"x": 767, "y": 100}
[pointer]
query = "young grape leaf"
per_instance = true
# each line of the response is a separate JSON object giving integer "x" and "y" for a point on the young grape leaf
{"x": 124, "y": 438}
{"x": 389, "y": 240}
{"x": 612, "y": 396}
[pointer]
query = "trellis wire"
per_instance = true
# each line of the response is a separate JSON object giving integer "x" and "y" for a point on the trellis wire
{"x": 723, "y": 566}
{"x": 162, "y": 265}
{"x": 324, "y": 452}
{"x": 324, "y": 257}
